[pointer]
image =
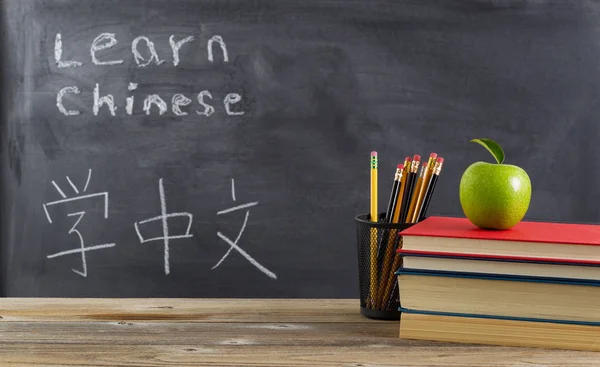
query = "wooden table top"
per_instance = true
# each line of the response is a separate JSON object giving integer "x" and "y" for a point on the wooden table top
{"x": 232, "y": 332}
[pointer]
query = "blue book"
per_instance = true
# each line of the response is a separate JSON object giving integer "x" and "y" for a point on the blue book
{"x": 494, "y": 265}
{"x": 526, "y": 298}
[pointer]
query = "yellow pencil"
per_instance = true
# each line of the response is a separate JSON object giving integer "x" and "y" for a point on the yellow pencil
{"x": 420, "y": 194}
{"x": 431, "y": 161}
{"x": 374, "y": 216}
{"x": 415, "y": 194}
{"x": 374, "y": 164}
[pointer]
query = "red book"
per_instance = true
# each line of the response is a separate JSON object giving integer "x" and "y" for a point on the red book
{"x": 527, "y": 240}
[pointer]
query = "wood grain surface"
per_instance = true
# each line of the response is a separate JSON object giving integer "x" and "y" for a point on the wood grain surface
{"x": 232, "y": 332}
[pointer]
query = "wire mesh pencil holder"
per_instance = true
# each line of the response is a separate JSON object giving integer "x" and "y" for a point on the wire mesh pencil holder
{"x": 378, "y": 261}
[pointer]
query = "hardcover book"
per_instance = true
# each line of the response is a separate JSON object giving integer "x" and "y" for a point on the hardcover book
{"x": 536, "y": 240}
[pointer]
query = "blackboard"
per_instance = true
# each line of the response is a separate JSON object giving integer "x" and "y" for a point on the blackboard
{"x": 279, "y": 104}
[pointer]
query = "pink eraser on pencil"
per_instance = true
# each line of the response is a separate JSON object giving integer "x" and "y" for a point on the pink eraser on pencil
{"x": 440, "y": 160}
{"x": 433, "y": 155}
{"x": 408, "y": 159}
{"x": 374, "y": 153}
{"x": 400, "y": 166}
{"x": 417, "y": 157}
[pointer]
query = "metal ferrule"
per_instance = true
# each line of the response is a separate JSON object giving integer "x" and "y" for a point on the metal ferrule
{"x": 438, "y": 168}
{"x": 431, "y": 163}
{"x": 398, "y": 175}
{"x": 414, "y": 168}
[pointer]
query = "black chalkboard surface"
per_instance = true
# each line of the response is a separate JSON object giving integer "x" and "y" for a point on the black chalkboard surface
{"x": 241, "y": 131}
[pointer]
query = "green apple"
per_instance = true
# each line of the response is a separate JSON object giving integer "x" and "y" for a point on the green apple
{"x": 494, "y": 195}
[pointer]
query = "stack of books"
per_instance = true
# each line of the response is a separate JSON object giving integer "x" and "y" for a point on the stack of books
{"x": 535, "y": 285}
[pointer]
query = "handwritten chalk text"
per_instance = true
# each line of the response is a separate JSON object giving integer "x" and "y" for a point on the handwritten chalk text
{"x": 175, "y": 226}
{"x": 144, "y": 54}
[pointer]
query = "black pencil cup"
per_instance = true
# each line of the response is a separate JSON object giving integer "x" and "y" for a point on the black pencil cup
{"x": 378, "y": 261}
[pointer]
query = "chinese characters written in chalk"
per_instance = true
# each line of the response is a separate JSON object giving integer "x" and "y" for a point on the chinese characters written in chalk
{"x": 167, "y": 237}
{"x": 78, "y": 216}
{"x": 234, "y": 244}
{"x": 163, "y": 219}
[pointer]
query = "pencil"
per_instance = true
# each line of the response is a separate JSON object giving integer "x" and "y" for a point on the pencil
{"x": 374, "y": 216}
{"x": 393, "y": 296}
{"x": 410, "y": 181}
{"x": 386, "y": 252}
{"x": 374, "y": 165}
{"x": 436, "y": 174}
{"x": 396, "y": 218}
{"x": 382, "y": 240}
{"x": 394, "y": 195}
{"x": 420, "y": 194}
{"x": 391, "y": 279}
{"x": 415, "y": 194}
{"x": 431, "y": 161}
